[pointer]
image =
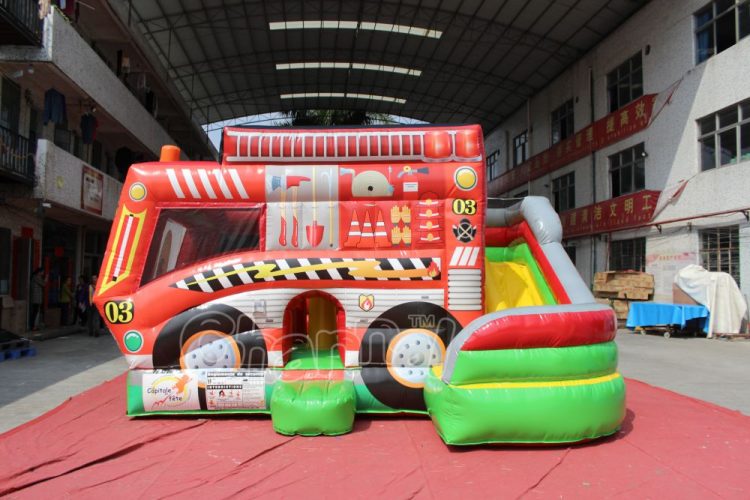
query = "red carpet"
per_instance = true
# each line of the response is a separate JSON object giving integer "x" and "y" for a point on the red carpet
{"x": 670, "y": 446}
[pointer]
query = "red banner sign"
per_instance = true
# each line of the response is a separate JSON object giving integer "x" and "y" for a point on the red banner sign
{"x": 614, "y": 214}
{"x": 612, "y": 128}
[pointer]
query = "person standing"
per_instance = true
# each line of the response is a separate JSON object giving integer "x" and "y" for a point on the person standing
{"x": 66, "y": 297}
{"x": 94, "y": 321}
{"x": 37, "y": 298}
{"x": 82, "y": 298}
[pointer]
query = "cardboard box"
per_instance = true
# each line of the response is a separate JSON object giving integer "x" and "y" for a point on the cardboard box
{"x": 621, "y": 307}
{"x": 680, "y": 297}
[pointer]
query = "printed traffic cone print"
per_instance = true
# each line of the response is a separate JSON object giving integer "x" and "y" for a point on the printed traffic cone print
{"x": 352, "y": 238}
{"x": 368, "y": 238}
{"x": 381, "y": 237}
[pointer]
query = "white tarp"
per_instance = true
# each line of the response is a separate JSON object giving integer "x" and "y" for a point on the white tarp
{"x": 719, "y": 293}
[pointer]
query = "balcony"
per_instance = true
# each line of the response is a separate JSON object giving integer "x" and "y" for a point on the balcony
{"x": 66, "y": 62}
{"x": 16, "y": 157}
{"x": 70, "y": 184}
{"x": 20, "y": 23}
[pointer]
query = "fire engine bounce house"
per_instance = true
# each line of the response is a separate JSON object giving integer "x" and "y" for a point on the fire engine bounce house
{"x": 318, "y": 273}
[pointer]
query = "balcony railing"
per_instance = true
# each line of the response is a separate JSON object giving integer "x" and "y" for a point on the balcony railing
{"x": 20, "y": 23}
{"x": 16, "y": 157}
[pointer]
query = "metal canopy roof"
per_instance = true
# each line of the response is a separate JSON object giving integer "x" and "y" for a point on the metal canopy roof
{"x": 438, "y": 61}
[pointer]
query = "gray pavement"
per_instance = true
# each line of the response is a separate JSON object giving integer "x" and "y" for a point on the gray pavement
{"x": 717, "y": 371}
{"x": 711, "y": 370}
{"x": 63, "y": 367}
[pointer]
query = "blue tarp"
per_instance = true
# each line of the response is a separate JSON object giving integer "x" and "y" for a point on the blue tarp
{"x": 654, "y": 314}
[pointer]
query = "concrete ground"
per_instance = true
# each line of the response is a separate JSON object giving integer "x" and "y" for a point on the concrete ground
{"x": 717, "y": 371}
{"x": 63, "y": 367}
{"x": 711, "y": 370}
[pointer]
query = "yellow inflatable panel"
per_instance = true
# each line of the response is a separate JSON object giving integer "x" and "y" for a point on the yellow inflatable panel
{"x": 509, "y": 284}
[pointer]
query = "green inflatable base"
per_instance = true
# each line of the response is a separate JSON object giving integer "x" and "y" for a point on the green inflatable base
{"x": 526, "y": 412}
{"x": 313, "y": 407}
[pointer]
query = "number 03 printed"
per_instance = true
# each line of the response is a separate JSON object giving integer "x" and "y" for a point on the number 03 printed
{"x": 119, "y": 311}
{"x": 464, "y": 207}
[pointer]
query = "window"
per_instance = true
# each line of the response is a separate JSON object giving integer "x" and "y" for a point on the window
{"x": 627, "y": 170}
{"x": 520, "y": 148}
{"x": 564, "y": 192}
{"x": 186, "y": 236}
{"x": 96, "y": 156}
{"x": 720, "y": 250}
{"x": 719, "y": 25}
{"x": 628, "y": 255}
{"x": 625, "y": 83}
{"x": 94, "y": 242}
{"x": 571, "y": 251}
{"x": 493, "y": 165}
{"x": 77, "y": 146}
{"x": 725, "y": 136}
{"x": 10, "y": 107}
{"x": 63, "y": 137}
{"x": 4, "y": 261}
{"x": 562, "y": 122}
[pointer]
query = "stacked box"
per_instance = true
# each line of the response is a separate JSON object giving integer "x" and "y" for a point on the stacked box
{"x": 623, "y": 287}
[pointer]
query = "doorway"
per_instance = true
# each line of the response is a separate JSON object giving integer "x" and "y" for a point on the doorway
{"x": 312, "y": 323}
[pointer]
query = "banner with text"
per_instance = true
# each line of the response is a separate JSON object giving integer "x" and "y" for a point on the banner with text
{"x": 615, "y": 214}
{"x": 612, "y": 128}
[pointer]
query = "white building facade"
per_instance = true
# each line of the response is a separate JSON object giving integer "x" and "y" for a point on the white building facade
{"x": 665, "y": 104}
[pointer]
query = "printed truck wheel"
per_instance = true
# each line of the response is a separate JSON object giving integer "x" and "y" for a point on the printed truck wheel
{"x": 411, "y": 354}
{"x": 210, "y": 349}
{"x": 215, "y": 337}
{"x": 400, "y": 347}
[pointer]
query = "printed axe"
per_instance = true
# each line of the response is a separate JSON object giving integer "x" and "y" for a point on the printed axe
{"x": 276, "y": 184}
{"x": 294, "y": 181}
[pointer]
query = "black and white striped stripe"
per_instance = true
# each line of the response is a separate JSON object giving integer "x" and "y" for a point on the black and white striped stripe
{"x": 222, "y": 278}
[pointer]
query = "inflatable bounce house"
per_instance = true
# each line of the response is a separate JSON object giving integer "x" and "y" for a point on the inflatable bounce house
{"x": 319, "y": 273}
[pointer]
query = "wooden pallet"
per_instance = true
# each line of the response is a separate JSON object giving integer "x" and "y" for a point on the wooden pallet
{"x": 629, "y": 294}
{"x": 624, "y": 279}
{"x": 624, "y": 285}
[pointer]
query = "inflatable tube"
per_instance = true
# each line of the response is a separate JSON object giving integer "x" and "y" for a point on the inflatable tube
{"x": 534, "y": 220}
{"x": 526, "y": 412}
{"x": 544, "y": 364}
{"x": 544, "y": 326}
{"x": 313, "y": 407}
